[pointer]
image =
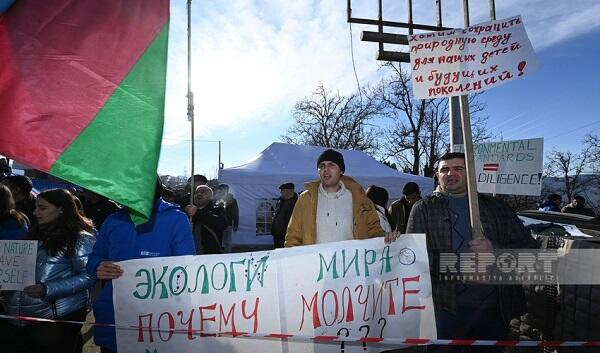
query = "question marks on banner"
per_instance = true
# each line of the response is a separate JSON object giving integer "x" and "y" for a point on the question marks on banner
{"x": 364, "y": 344}
{"x": 382, "y": 327}
{"x": 347, "y": 334}
{"x": 364, "y": 330}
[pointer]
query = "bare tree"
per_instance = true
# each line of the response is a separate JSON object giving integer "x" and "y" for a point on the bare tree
{"x": 435, "y": 137}
{"x": 419, "y": 133}
{"x": 332, "y": 120}
{"x": 520, "y": 202}
{"x": 570, "y": 166}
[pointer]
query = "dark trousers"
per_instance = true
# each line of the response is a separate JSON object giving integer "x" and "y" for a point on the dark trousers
{"x": 469, "y": 323}
{"x": 46, "y": 337}
{"x": 278, "y": 240}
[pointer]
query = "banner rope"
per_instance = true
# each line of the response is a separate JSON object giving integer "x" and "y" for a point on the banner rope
{"x": 331, "y": 339}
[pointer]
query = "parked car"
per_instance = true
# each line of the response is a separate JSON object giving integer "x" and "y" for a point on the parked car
{"x": 557, "y": 311}
{"x": 586, "y": 224}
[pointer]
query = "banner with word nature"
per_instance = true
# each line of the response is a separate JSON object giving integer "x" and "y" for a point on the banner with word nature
{"x": 462, "y": 61}
{"x": 17, "y": 264}
{"x": 349, "y": 289}
{"x": 509, "y": 167}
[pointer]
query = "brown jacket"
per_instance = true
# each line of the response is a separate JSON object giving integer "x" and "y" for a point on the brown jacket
{"x": 302, "y": 229}
{"x": 397, "y": 212}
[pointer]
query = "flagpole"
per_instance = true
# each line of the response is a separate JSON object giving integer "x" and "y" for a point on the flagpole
{"x": 190, "y": 95}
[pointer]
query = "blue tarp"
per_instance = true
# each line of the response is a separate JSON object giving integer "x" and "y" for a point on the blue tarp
{"x": 40, "y": 185}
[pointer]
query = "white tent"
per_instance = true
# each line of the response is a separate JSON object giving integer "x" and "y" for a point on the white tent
{"x": 256, "y": 184}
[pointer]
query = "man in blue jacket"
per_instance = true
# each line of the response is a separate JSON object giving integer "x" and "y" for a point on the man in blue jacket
{"x": 552, "y": 203}
{"x": 167, "y": 233}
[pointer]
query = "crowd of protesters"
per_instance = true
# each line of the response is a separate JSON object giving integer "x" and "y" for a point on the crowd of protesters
{"x": 81, "y": 237}
{"x": 553, "y": 202}
{"x": 65, "y": 240}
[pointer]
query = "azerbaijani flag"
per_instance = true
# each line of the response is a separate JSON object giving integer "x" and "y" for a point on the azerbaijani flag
{"x": 82, "y": 90}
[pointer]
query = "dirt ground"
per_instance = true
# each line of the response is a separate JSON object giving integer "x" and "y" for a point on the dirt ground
{"x": 88, "y": 335}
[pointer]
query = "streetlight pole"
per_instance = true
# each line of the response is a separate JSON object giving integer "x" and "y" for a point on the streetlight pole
{"x": 190, "y": 95}
{"x": 220, "y": 163}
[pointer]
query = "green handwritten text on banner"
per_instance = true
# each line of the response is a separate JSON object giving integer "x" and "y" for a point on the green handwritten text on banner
{"x": 352, "y": 289}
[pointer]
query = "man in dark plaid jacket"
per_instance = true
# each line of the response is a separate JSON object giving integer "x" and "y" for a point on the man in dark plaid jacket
{"x": 468, "y": 310}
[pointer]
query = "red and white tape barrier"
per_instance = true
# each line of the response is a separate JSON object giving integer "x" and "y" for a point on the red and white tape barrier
{"x": 325, "y": 339}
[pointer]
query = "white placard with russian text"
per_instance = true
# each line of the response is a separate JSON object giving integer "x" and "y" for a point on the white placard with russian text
{"x": 351, "y": 289}
{"x": 462, "y": 61}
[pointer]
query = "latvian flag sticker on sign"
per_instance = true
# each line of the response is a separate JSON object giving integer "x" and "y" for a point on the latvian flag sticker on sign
{"x": 491, "y": 167}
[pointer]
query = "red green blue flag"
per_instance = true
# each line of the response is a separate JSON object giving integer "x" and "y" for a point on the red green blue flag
{"x": 82, "y": 90}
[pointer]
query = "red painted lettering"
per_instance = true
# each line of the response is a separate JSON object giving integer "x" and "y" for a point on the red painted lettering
{"x": 405, "y": 291}
{"x": 312, "y": 307}
{"x": 203, "y": 318}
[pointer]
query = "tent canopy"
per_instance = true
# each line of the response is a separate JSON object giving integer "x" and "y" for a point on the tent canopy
{"x": 257, "y": 181}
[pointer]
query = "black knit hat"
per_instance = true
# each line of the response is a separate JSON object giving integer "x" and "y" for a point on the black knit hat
{"x": 288, "y": 185}
{"x": 378, "y": 195}
{"x": 410, "y": 188}
{"x": 332, "y": 156}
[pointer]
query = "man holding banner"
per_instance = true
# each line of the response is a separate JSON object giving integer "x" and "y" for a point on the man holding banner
{"x": 467, "y": 310}
{"x": 333, "y": 208}
{"x": 167, "y": 233}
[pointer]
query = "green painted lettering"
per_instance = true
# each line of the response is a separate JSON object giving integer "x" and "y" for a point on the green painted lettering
{"x": 212, "y": 276}
{"x": 385, "y": 260}
{"x": 259, "y": 272}
{"x": 353, "y": 261}
{"x": 373, "y": 255}
{"x": 146, "y": 284}
{"x": 232, "y": 283}
{"x": 159, "y": 281}
{"x": 180, "y": 280}
{"x": 204, "y": 280}
{"x": 332, "y": 265}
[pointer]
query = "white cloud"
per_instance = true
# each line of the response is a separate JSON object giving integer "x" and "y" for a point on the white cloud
{"x": 548, "y": 23}
{"x": 556, "y": 24}
{"x": 254, "y": 60}
{"x": 251, "y": 62}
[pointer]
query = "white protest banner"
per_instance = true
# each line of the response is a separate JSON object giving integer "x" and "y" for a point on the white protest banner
{"x": 462, "y": 61}
{"x": 17, "y": 264}
{"x": 349, "y": 289}
{"x": 509, "y": 167}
